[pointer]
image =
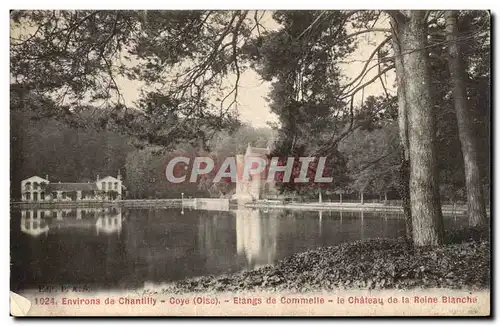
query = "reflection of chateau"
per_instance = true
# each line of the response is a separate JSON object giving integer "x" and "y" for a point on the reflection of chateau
{"x": 256, "y": 187}
{"x": 36, "y": 189}
{"x": 103, "y": 220}
{"x": 256, "y": 237}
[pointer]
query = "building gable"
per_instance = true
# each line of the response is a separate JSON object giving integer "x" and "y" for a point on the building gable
{"x": 35, "y": 178}
{"x": 108, "y": 179}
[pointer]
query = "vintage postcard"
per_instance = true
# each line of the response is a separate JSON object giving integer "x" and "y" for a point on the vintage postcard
{"x": 250, "y": 162}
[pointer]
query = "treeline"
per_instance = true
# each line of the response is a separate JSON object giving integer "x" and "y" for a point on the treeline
{"x": 368, "y": 159}
{"x": 47, "y": 147}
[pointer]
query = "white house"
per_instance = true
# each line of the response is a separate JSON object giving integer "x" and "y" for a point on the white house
{"x": 110, "y": 183}
{"x": 36, "y": 189}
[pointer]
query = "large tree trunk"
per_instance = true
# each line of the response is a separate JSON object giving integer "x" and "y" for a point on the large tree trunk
{"x": 426, "y": 213}
{"x": 475, "y": 198}
{"x": 404, "y": 191}
{"x": 404, "y": 169}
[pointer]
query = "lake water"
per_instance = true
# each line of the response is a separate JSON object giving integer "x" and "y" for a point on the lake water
{"x": 124, "y": 248}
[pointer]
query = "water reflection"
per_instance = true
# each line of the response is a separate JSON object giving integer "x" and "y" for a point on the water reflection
{"x": 105, "y": 220}
{"x": 124, "y": 248}
{"x": 33, "y": 224}
{"x": 320, "y": 213}
{"x": 109, "y": 224}
{"x": 256, "y": 236}
{"x": 362, "y": 226}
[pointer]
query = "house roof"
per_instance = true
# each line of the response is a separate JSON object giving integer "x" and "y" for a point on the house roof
{"x": 108, "y": 178}
{"x": 36, "y": 178}
{"x": 72, "y": 187}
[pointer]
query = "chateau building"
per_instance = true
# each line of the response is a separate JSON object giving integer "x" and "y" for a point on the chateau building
{"x": 256, "y": 187}
{"x": 37, "y": 189}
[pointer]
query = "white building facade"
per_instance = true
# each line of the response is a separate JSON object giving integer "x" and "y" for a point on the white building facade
{"x": 37, "y": 189}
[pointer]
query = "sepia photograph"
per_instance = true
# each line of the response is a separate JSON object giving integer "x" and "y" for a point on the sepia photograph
{"x": 250, "y": 163}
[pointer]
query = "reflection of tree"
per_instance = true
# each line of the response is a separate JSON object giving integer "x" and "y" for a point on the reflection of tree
{"x": 256, "y": 237}
{"x": 216, "y": 241}
{"x": 362, "y": 227}
{"x": 158, "y": 244}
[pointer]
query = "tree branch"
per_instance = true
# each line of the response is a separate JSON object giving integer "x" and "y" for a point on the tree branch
{"x": 353, "y": 92}
{"x": 375, "y": 51}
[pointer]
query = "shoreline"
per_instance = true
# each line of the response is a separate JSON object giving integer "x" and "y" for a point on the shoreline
{"x": 352, "y": 207}
{"x": 191, "y": 203}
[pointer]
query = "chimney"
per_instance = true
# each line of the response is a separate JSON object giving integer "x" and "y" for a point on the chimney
{"x": 97, "y": 179}
{"x": 119, "y": 176}
{"x": 47, "y": 177}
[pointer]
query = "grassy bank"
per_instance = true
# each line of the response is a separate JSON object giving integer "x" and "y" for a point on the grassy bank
{"x": 462, "y": 263}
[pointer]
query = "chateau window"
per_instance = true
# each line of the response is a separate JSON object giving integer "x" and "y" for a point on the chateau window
{"x": 103, "y": 185}
{"x": 35, "y": 185}
{"x": 110, "y": 185}
{"x": 116, "y": 185}
{"x": 27, "y": 186}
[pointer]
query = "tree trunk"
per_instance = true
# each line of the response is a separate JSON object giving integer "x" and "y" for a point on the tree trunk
{"x": 404, "y": 169}
{"x": 404, "y": 192}
{"x": 427, "y": 221}
{"x": 475, "y": 199}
